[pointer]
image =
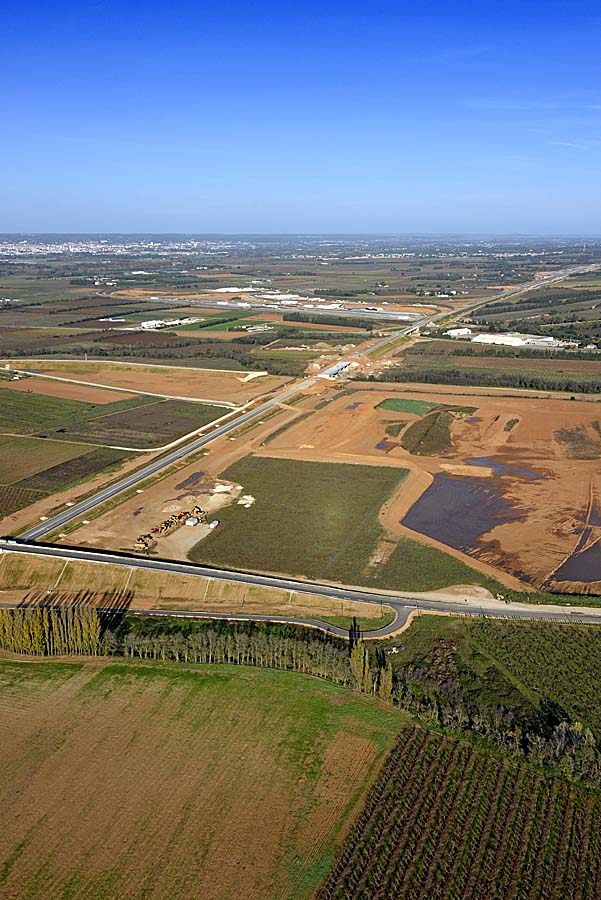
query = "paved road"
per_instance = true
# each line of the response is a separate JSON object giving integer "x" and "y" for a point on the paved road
{"x": 70, "y": 513}
{"x": 152, "y": 468}
{"x": 403, "y": 605}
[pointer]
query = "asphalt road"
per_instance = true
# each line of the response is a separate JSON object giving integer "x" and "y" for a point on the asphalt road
{"x": 402, "y": 605}
{"x": 73, "y": 512}
{"x": 79, "y": 509}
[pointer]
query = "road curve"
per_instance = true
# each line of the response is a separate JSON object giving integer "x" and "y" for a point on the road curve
{"x": 403, "y": 605}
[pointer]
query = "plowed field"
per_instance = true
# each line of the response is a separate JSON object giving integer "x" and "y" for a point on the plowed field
{"x": 189, "y": 782}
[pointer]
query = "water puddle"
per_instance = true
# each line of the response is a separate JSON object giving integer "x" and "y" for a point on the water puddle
{"x": 355, "y": 405}
{"x": 189, "y": 481}
{"x": 517, "y": 470}
{"x": 595, "y": 516}
{"x": 459, "y": 510}
{"x": 584, "y": 566}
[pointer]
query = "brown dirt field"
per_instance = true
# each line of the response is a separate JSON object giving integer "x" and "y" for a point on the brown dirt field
{"x": 195, "y": 383}
{"x": 173, "y": 781}
{"x": 65, "y": 391}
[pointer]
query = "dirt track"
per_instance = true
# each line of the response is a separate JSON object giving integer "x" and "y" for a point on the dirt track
{"x": 236, "y": 387}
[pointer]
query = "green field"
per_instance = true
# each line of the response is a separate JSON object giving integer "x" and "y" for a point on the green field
{"x": 314, "y": 519}
{"x": 138, "y": 422}
{"x": 413, "y": 566}
{"x": 430, "y": 435}
{"x": 397, "y": 404}
{"x": 33, "y": 468}
{"x": 136, "y": 780}
{"x": 21, "y": 457}
{"x": 30, "y": 413}
{"x": 320, "y": 520}
{"x": 146, "y": 425}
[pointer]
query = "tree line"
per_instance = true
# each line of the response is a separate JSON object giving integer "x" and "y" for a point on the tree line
{"x": 315, "y": 319}
{"x": 51, "y": 631}
{"x": 482, "y": 378}
{"x": 463, "y": 348}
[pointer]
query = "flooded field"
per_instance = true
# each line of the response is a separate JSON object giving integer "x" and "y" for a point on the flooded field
{"x": 501, "y": 467}
{"x": 459, "y": 511}
{"x": 584, "y": 566}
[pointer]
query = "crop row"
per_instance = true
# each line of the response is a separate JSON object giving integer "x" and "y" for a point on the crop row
{"x": 447, "y": 822}
{"x": 72, "y": 470}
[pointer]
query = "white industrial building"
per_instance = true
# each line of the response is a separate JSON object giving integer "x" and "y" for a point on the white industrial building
{"x": 458, "y": 332}
{"x": 515, "y": 339}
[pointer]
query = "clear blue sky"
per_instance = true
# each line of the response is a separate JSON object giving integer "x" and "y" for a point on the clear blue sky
{"x": 301, "y": 117}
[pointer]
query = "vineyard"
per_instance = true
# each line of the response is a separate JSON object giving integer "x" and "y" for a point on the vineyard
{"x": 560, "y": 663}
{"x": 446, "y": 822}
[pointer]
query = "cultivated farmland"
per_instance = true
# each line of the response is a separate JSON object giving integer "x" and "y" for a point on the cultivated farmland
{"x": 313, "y": 519}
{"x": 21, "y": 457}
{"x": 163, "y": 781}
{"x": 138, "y": 422}
{"x": 450, "y": 822}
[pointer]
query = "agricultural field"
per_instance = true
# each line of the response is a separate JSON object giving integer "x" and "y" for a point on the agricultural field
{"x": 321, "y": 530}
{"x": 398, "y": 404}
{"x": 32, "y": 468}
{"x": 230, "y": 782}
{"x": 325, "y": 529}
{"x": 137, "y": 421}
{"x": 445, "y": 820}
{"x": 231, "y": 387}
{"x": 22, "y": 457}
{"x": 145, "y": 426}
{"x": 462, "y": 362}
{"x": 568, "y": 311}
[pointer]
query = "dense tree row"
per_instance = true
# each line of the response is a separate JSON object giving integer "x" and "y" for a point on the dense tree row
{"x": 51, "y": 631}
{"x": 318, "y": 319}
{"x": 545, "y": 736}
{"x": 198, "y": 349}
{"x": 483, "y": 378}
{"x": 271, "y": 647}
{"x": 295, "y": 335}
{"x": 463, "y": 348}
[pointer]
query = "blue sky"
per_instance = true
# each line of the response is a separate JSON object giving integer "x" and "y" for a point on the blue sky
{"x": 288, "y": 117}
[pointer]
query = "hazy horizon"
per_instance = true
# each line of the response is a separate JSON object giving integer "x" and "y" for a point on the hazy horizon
{"x": 308, "y": 119}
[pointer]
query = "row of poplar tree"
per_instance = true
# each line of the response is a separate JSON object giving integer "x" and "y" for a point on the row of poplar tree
{"x": 64, "y": 631}
{"x": 51, "y": 631}
{"x": 265, "y": 649}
